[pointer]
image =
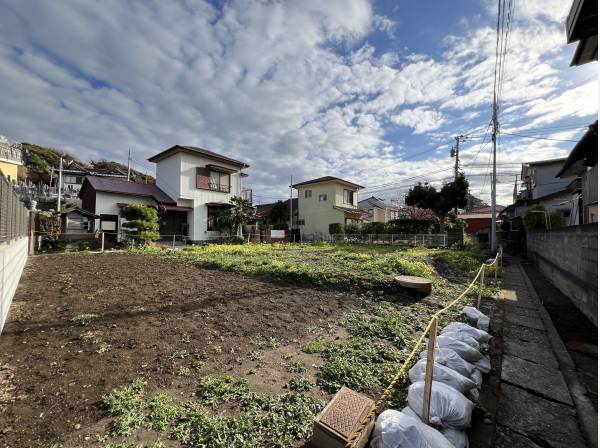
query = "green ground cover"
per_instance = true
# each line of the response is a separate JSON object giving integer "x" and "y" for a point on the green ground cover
{"x": 381, "y": 334}
{"x": 339, "y": 265}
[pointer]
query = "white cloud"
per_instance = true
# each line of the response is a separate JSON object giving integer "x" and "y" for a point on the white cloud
{"x": 291, "y": 87}
{"x": 420, "y": 119}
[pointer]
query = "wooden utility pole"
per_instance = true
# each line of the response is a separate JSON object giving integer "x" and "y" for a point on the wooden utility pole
{"x": 129, "y": 165}
{"x": 493, "y": 238}
{"x": 60, "y": 168}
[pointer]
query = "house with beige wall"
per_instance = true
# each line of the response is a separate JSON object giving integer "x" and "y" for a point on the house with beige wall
{"x": 325, "y": 201}
{"x": 377, "y": 210}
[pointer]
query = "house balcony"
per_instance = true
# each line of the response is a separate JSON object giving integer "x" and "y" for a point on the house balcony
{"x": 220, "y": 188}
{"x": 247, "y": 195}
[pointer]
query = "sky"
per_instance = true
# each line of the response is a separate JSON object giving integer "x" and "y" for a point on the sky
{"x": 369, "y": 91}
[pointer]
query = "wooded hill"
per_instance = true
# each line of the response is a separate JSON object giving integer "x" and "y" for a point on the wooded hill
{"x": 39, "y": 160}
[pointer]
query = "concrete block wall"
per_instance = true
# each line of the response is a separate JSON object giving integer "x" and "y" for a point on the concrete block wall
{"x": 568, "y": 257}
{"x": 13, "y": 256}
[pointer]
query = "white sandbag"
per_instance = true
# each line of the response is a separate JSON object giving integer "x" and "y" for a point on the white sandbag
{"x": 475, "y": 333}
{"x": 477, "y": 377}
{"x": 463, "y": 337}
{"x": 449, "y": 358}
{"x": 456, "y": 437}
{"x": 448, "y": 407}
{"x": 473, "y": 395}
{"x": 483, "y": 323}
{"x": 465, "y": 351}
{"x": 472, "y": 313}
{"x": 483, "y": 365}
{"x": 441, "y": 374}
{"x": 395, "y": 429}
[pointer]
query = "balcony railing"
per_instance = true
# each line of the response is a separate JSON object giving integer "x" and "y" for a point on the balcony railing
{"x": 218, "y": 187}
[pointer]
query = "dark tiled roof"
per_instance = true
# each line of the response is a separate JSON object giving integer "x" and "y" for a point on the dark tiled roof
{"x": 112, "y": 185}
{"x": 264, "y": 210}
{"x": 326, "y": 179}
{"x": 200, "y": 151}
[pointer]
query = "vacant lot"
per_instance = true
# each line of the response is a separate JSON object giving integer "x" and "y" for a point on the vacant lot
{"x": 153, "y": 349}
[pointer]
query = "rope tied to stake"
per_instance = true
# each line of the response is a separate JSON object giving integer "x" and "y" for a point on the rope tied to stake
{"x": 391, "y": 386}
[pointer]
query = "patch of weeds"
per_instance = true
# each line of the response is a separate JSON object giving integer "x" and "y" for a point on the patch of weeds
{"x": 198, "y": 365}
{"x": 104, "y": 347}
{"x": 179, "y": 354}
{"x": 84, "y": 319}
{"x": 126, "y": 403}
{"x": 264, "y": 420}
{"x": 88, "y": 336}
{"x": 287, "y": 356}
{"x": 263, "y": 343}
{"x": 294, "y": 367}
{"x": 315, "y": 346}
{"x": 300, "y": 384}
{"x": 216, "y": 390}
{"x": 358, "y": 363}
{"x": 157, "y": 444}
{"x": 162, "y": 412}
{"x": 254, "y": 355}
{"x": 184, "y": 371}
{"x": 384, "y": 320}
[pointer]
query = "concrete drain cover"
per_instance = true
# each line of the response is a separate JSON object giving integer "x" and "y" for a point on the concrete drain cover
{"x": 341, "y": 418}
{"x": 418, "y": 284}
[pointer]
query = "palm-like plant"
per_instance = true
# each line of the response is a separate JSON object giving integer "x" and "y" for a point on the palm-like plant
{"x": 241, "y": 211}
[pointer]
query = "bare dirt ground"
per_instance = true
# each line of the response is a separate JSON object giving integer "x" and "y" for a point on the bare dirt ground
{"x": 155, "y": 318}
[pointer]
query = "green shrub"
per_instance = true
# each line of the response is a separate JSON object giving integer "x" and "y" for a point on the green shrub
{"x": 335, "y": 228}
{"x": 142, "y": 223}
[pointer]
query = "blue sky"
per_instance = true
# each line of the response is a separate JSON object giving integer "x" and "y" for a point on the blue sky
{"x": 370, "y": 91}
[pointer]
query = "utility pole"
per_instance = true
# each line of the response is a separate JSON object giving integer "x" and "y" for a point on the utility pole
{"x": 291, "y": 208}
{"x": 493, "y": 238}
{"x": 60, "y": 168}
{"x": 454, "y": 153}
{"x": 129, "y": 165}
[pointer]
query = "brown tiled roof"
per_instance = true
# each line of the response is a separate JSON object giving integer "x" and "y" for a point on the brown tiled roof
{"x": 326, "y": 179}
{"x": 119, "y": 186}
{"x": 357, "y": 211}
{"x": 200, "y": 151}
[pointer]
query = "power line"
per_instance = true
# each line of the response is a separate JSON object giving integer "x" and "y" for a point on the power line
{"x": 537, "y": 137}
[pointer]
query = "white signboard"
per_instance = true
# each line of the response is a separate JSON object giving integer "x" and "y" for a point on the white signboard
{"x": 277, "y": 233}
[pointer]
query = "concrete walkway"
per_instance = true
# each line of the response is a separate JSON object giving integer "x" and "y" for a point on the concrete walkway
{"x": 534, "y": 406}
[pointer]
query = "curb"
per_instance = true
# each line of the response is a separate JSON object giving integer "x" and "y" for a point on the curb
{"x": 588, "y": 418}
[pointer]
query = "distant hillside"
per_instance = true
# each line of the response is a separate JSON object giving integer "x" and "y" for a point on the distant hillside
{"x": 39, "y": 160}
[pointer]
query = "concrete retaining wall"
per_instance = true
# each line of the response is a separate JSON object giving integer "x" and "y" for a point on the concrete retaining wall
{"x": 13, "y": 256}
{"x": 568, "y": 257}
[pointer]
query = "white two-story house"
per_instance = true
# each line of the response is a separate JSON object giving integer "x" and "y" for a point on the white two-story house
{"x": 201, "y": 182}
{"x": 325, "y": 201}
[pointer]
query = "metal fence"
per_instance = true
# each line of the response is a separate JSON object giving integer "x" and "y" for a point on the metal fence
{"x": 14, "y": 220}
{"x": 421, "y": 239}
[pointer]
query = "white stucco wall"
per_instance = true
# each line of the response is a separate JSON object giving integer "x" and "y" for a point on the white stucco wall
{"x": 106, "y": 204}
{"x": 180, "y": 169}
{"x": 167, "y": 175}
{"x": 546, "y": 182}
{"x": 13, "y": 256}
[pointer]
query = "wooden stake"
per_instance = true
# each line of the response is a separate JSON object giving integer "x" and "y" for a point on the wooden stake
{"x": 102, "y": 239}
{"x": 481, "y": 281}
{"x": 429, "y": 371}
{"x": 31, "y": 233}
